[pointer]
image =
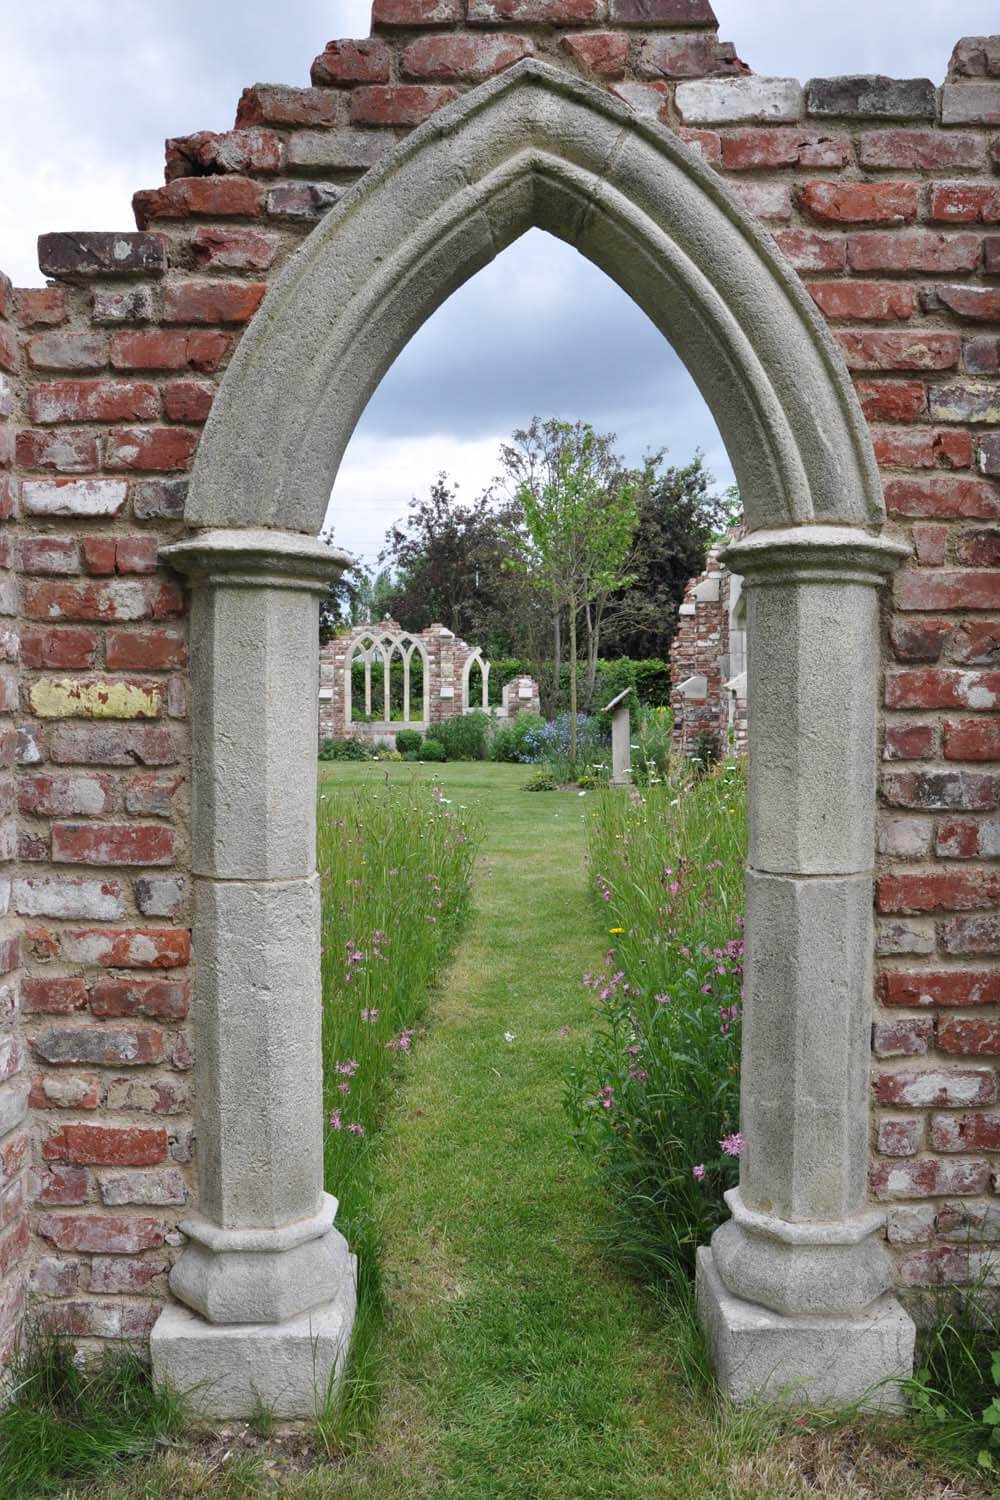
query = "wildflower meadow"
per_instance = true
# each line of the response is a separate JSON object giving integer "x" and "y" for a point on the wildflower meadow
{"x": 396, "y": 865}
{"x": 656, "y": 1095}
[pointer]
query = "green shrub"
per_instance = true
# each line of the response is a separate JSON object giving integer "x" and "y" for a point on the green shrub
{"x": 467, "y": 736}
{"x": 512, "y": 735}
{"x": 651, "y": 733}
{"x": 655, "y": 1099}
{"x": 432, "y": 749}
{"x": 345, "y": 749}
{"x": 408, "y": 739}
{"x": 541, "y": 780}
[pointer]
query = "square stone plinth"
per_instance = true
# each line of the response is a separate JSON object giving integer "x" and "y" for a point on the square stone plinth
{"x": 804, "y": 1361}
{"x": 228, "y": 1370}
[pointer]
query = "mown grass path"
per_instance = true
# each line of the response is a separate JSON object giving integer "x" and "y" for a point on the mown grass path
{"x": 518, "y": 1363}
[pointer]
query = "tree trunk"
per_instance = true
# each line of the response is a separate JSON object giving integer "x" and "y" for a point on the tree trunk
{"x": 556, "y": 659}
{"x": 572, "y": 684}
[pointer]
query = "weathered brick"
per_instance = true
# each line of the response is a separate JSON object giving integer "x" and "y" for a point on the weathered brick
{"x": 67, "y": 351}
{"x": 649, "y": 99}
{"x": 892, "y": 401}
{"x": 92, "y": 253}
{"x": 170, "y": 349}
{"x": 101, "y": 1046}
{"x": 212, "y": 301}
{"x": 64, "y": 450}
{"x": 991, "y": 255}
{"x": 127, "y": 948}
{"x": 65, "y": 1091}
{"x": 965, "y": 203}
{"x": 84, "y": 1145}
{"x": 903, "y": 1038}
{"x": 891, "y": 350}
{"x": 112, "y": 745}
{"x": 966, "y": 401}
{"x": 873, "y": 96}
{"x": 909, "y": 741}
{"x": 152, "y": 1189}
{"x": 111, "y": 1274}
{"x": 732, "y": 101}
{"x": 160, "y": 896}
{"x": 151, "y": 796}
{"x": 981, "y": 356}
{"x": 233, "y": 249}
{"x": 145, "y": 649}
{"x": 199, "y": 197}
{"x": 965, "y": 1132}
{"x": 302, "y": 200}
{"x": 942, "y": 688}
{"x": 48, "y": 555}
{"x": 914, "y": 250}
{"x": 55, "y": 996}
{"x": 146, "y": 1094}
{"x": 248, "y": 151}
{"x": 947, "y": 589}
{"x": 188, "y": 400}
{"x": 979, "y": 548}
{"x": 44, "y": 896}
{"x": 972, "y": 739}
{"x": 942, "y": 1265}
{"x": 970, "y": 104}
{"x": 923, "y": 150}
{"x": 970, "y": 1036}
{"x": 893, "y": 938}
{"x": 392, "y": 13}
{"x": 770, "y": 201}
{"x": 661, "y": 13}
{"x": 928, "y": 1177}
{"x": 970, "y": 935}
{"x": 346, "y": 150}
{"x": 53, "y": 1276}
{"x": 277, "y": 104}
{"x": 942, "y": 791}
{"x": 398, "y": 104}
{"x": 113, "y": 844}
{"x": 93, "y": 401}
{"x": 967, "y": 838}
{"x": 459, "y": 58}
{"x": 118, "y": 600}
{"x": 930, "y": 541}
{"x": 41, "y": 306}
{"x": 145, "y": 448}
{"x": 58, "y": 794}
{"x": 859, "y": 202}
{"x": 352, "y": 62}
{"x": 683, "y": 55}
{"x": 161, "y": 999}
{"x": 864, "y": 300}
{"x": 977, "y": 643}
{"x": 945, "y": 987}
{"x": 602, "y": 53}
{"x": 899, "y": 1137}
{"x": 948, "y": 498}
{"x": 63, "y": 1186}
{"x": 924, "y": 448}
{"x": 936, "y": 1088}
{"x": 945, "y": 890}
{"x": 132, "y": 304}
{"x": 975, "y": 57}
{"x": 101, "y": 1233}
{"x": 976, "y": 303}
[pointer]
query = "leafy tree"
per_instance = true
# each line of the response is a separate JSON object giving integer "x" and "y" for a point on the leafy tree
{"x": 580, "y": 512}
{"x": 679, "y": 517}
{"x": 339, "y": 601}
{"x": 449, "y": 562}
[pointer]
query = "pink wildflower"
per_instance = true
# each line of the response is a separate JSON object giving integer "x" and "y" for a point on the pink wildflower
{"x": 370, "y": 1015}
{"x": 348, "y": 1068}
{"x": 698, "y": 1172}
{"x": 662, "y": 999}
{"x": 733, "y": 1145}
{"x": 336, "y": 1123}
{"x": 355, "y": 1128}
{"x": 564, "y": 1031}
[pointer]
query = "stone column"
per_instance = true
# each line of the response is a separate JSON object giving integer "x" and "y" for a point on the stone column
{"x": 267, "y": 1282}
{"x": 794, "y": 1292}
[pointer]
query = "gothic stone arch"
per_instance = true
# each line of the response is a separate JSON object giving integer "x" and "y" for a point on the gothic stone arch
{"x": 795, "y": 1288}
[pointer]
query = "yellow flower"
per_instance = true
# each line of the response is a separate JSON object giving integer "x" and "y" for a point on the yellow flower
{"x": 613, "y": 930}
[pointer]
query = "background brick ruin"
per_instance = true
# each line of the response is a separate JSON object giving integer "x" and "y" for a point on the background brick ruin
{"x": 884, "y": 194}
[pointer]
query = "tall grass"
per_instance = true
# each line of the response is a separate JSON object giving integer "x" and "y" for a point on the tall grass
{"x": 65, "y": 1423}
{"x": 656, "y": 1096}
{"x": 396, "y": 866}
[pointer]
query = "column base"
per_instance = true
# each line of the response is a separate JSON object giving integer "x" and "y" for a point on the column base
{"x": 228, "y": 1371}
{"x": 762, "y": 1355}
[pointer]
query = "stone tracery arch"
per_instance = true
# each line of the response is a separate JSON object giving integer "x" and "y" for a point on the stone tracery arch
{"x": 533, "y": 147}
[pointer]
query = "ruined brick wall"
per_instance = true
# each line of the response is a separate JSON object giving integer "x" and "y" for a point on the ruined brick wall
{"x": 884, "y": 195}
{"x": 707, "y": 673}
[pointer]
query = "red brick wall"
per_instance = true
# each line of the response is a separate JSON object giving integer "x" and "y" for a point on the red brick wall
{"x": 885, "y": 197}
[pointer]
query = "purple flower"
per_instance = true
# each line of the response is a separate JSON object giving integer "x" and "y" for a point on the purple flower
{"x": 348, "y": 1068}
{"x": 564, "y": 1031}
{"x": 370, "y": 1015}
{"x": 733, "y": 1145}
{"x": 336, "y": 1123}
{"x": 698, "y": 1172}
{"x": 662, "y": 999}
{"x": 355, "y": 1128}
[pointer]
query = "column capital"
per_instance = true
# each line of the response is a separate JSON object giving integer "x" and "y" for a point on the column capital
{"x": 256, "y": 557}
{"x": 814, "y": 554}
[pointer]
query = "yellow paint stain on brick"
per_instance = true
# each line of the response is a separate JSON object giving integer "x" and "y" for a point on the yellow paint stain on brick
{"x": 55, "y": 698}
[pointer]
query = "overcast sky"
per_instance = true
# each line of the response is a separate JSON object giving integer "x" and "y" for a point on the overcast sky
{"x": 89, "y": 89}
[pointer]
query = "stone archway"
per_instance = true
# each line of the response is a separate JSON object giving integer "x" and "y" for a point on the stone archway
{"x": 795, "y": 1287}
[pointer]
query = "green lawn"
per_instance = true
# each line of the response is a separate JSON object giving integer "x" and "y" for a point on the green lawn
{"x": 517, "y": 1364}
